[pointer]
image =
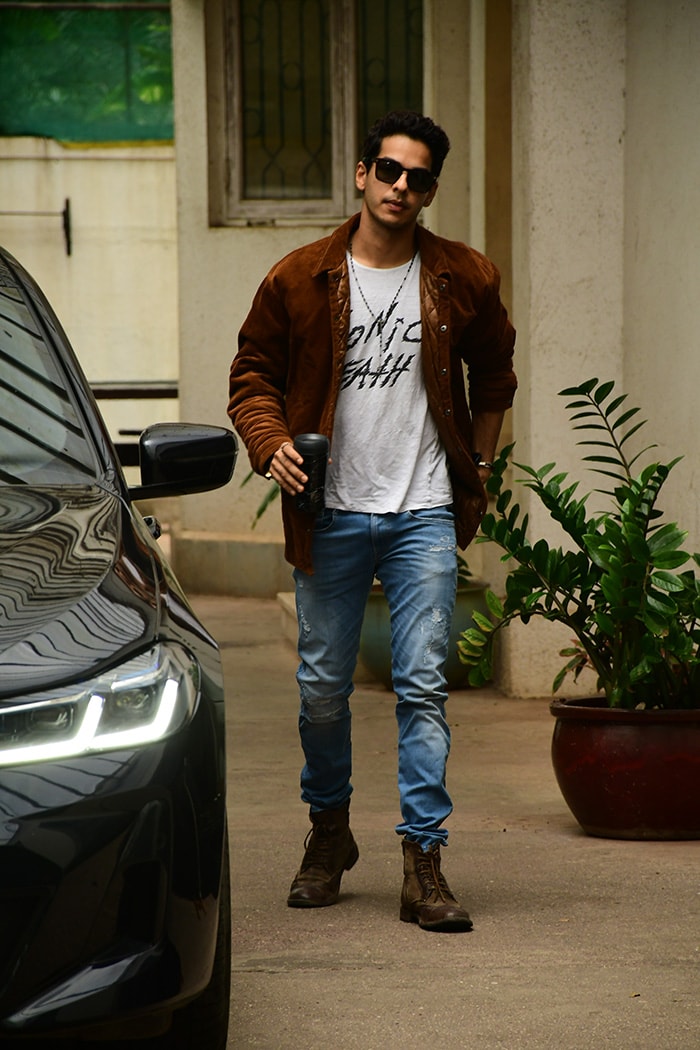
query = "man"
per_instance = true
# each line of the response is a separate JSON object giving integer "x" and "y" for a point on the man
{"x": 361, "y": 336}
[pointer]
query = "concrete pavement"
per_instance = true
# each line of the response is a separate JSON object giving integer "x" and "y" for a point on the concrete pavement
{"x": 578, "y": 943}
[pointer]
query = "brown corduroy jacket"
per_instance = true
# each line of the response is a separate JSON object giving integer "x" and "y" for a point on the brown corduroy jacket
{"x": 286, "y": 376}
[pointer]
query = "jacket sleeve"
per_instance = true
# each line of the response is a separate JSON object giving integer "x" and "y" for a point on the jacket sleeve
{"x": 258, "y": 376}
{"x": 491, "y": 341}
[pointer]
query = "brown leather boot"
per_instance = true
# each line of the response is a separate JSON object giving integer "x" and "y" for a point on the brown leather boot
{"x": 426, "y": 898}
{"x": 330, "y": 850}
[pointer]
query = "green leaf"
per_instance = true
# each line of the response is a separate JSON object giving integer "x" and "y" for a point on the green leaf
{"x": 605, "y": 623}
{"x": 603, "y": 391}
{"x": 666, "y": 581}
{"x": 503, "y": 500}
{"x": 483, "y": 622}
{"x": 660, "y": 602}
{"x": 624, "y": 417}
{"x": 512, "y": 519}
{"x": 582, "y": 388}
{"x": 598, "y": 459}
{"x": 672, "y": 560}
{"x": 615, "y": 404}
{"x": 667, "y": 538}
{"x": 271, "y": 495}
{"x": 590, "y": 413}
{"x": 477, "y": 678}
{"x": 559, "y": 679}
{"x": 573, "y": 666}
{"x": 473, "y": 637}
{"x": 633, "y": 431}
{"x": 540, "y": 556}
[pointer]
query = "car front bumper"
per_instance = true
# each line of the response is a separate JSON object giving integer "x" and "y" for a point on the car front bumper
{"x": 110, "y": 874}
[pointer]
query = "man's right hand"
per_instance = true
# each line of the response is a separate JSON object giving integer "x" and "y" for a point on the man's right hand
{"x": 285, "y": 469}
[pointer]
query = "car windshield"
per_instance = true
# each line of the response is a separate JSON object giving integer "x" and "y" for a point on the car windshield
{"x": 42, "y": 439}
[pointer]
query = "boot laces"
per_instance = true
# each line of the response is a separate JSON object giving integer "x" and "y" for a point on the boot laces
{"x": 318, "y": 847}
{"x": 430, "y": 876}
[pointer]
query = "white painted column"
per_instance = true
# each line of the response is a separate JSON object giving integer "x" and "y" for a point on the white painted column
{"x": 568, "y": 151}
{"x": 662, "y": 241}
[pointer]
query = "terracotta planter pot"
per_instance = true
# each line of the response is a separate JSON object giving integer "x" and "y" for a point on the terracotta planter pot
{"x": 628, "y": 774}
{"x": 375, "y": 641}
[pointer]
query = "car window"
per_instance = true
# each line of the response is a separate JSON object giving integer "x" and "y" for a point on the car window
{"x": 41, "y": 435}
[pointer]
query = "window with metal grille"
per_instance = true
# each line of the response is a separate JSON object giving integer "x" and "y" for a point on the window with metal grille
{"x": 294, "y": 86}
{"x": 90, "y": 71}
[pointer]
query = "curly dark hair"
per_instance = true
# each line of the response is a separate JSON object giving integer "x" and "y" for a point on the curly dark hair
{"x": 415, "y": 126}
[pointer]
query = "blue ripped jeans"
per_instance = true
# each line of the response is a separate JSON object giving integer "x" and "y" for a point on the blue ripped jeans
{"x": 413, "y": 554}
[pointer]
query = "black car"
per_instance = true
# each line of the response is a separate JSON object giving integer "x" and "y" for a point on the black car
{"x": 114, "y": 893}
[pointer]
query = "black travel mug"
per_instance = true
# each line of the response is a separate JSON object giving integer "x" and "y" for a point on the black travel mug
{"x": 314, "y": 448}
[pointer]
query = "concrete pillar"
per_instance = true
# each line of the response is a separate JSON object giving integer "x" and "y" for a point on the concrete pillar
{"x": 662, "y": 241}
{"x": 568, "y": 125}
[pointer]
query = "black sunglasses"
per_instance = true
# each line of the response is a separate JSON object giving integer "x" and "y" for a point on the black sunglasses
{"x": 420, "y": 180}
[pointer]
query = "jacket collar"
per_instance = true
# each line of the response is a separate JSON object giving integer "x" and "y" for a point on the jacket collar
{"x": 332, "y": 254}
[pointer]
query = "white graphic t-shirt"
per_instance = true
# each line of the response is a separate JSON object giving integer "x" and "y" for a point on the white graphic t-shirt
{"x": 385, "y": 450}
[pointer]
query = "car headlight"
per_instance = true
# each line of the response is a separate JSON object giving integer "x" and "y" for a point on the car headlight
{"x": 143, "y": 700}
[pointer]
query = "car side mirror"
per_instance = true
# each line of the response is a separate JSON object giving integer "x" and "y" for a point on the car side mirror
{"x": 177, "y": 459}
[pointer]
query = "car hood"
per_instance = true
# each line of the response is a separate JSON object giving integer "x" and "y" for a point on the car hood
{"x": 77, "y": 585}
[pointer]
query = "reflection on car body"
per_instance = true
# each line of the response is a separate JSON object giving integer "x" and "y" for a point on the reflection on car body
{"x": 115, "y": 920}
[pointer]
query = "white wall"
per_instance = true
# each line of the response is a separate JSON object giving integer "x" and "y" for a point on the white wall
{"x": 569, "y": 118}
{"x": 568, "y": 164}
{"x": 662, "y": 240}
{"x": 116, "y": 295}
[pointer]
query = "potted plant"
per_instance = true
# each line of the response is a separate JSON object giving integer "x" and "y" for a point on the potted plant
{"x": 628, "y": 759}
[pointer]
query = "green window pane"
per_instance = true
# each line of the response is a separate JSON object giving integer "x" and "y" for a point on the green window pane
{"x": 86, "y": 76}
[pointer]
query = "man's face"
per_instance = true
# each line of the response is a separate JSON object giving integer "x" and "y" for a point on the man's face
{"x": 395, "y": 205}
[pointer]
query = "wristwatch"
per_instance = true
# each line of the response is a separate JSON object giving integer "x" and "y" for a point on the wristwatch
{"x": 479, "y": 462}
